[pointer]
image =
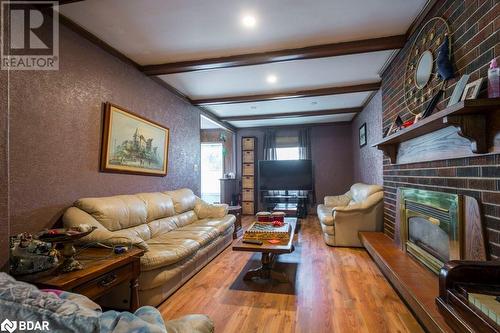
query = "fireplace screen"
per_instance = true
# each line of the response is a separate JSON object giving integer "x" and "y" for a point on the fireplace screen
{"x": 429, "y": 237}
{"x": 430, "y": 226}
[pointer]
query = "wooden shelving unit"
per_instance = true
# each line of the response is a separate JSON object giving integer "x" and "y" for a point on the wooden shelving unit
{"x": 475, "y": 119}
{"x": 248, "y": 172}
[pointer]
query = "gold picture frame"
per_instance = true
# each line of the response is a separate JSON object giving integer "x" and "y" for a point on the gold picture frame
{"x": 133, "y": 144}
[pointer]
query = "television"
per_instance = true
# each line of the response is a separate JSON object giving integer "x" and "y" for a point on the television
{"x": 285, "y": 175}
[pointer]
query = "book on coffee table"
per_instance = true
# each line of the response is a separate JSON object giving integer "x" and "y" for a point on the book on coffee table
{"x": 266, "y": 231}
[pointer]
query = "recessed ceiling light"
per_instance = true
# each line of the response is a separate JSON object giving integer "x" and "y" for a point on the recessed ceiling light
{"x": 271, "y": 78}
{"x": 249, "y": 21}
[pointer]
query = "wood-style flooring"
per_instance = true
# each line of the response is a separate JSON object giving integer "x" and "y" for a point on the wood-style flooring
{"x": 332, "y": 290}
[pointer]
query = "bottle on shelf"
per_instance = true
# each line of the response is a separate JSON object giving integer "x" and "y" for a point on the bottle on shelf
{"x": 494, "y": 80}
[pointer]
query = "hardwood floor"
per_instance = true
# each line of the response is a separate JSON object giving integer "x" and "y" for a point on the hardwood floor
{"x": 333, "y": 290}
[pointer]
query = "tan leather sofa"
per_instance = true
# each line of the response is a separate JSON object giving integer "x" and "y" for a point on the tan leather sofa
{"x": 180, "y": 232}
{"x": 343, "y": 216}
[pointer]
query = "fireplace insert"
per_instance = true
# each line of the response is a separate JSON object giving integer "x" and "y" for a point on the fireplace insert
{"x": 431, "y": 226}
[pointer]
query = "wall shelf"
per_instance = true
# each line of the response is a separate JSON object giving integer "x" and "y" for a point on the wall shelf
{"x": 474, "y": 119}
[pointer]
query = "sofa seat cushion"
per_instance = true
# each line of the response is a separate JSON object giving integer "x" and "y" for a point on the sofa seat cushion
{"x": 165, "y": 251}
{"x": 325, "y": 214}
{"x": 201, "y": 235}
{"x": 222, "y": 224}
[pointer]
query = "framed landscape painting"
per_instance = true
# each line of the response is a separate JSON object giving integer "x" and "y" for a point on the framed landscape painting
{"x": 133, "y": 144}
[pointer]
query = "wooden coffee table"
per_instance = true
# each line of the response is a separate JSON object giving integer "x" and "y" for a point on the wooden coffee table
{"x": 269, "y": 253}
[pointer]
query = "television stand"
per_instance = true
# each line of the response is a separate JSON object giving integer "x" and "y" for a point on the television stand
{"x": 297, "y": 203}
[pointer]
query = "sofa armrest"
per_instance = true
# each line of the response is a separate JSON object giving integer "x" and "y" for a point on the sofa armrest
{"x": 205, "y": 210}
{"x": 338, "y": 200}
{"x": 73, "y": 217}
{"x": 361, "y": 207}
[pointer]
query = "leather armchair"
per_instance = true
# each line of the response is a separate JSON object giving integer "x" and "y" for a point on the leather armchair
{"x": 343, "y": 216}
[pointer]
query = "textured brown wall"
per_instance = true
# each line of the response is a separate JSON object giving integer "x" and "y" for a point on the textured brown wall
{"x": 331, "y": 153}
{"x": 213, "y": 136}
{"x": 55, "y": 133}
{"x": 367, "y": 160}
{"x": 4, "y": 218}
{"x": 475, "y": 26}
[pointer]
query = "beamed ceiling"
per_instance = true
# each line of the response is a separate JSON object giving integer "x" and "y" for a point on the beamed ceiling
{"x": 258, "y": 63}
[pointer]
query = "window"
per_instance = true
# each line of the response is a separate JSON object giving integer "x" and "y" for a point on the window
{"x": 212, "y": 165}
{"x": 288, "y": 153}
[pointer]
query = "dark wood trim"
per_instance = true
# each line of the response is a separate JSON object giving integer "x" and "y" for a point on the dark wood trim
{"x": 96, "y": 40}
{"x": 297, "y": 126}
{"x": 217, "y": 120}
{"x": 309, "y": 52}
{"x": 292, "y": 114}
{"x": 367, "y": 101}
{"x": 286, "y": 95}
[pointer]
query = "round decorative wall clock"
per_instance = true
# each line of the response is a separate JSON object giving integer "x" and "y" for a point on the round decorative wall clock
{"x": 421, "y": 77}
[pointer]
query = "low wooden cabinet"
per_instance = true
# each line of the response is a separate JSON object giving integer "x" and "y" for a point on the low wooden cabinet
{"x": 103, "y": 270}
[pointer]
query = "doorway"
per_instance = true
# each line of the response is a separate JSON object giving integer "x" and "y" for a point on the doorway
{"x": 212, "y": 170}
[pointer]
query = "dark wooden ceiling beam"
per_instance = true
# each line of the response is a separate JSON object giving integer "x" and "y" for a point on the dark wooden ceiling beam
{"x": 297, "y": 94}
{"x": 310, "y": 52}
{"x": 292, "y": 114}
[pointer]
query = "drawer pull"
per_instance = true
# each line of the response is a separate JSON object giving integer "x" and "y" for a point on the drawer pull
{"x": 108, "y": 280}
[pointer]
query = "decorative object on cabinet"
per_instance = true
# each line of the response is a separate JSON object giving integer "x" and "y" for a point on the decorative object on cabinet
{"x": 417, "y": 118}
{"x": 362, "y": 135}
{"x": 459, "y": 90}
{"x": 472, "y": 89}
{"x": 28, "y": 255}
{"x": 132, "y": 144}
{"x": 248, "y": 179}
{"x": 395, "y": 126}
{"x": 421, "y": 78}
{"x": 67, "y": 237}
{"x": 432, "y": 104}
{"x": 444, "y": 66}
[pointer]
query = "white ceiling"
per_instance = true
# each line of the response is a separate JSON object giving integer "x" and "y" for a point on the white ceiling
{"x": 156, "y": 31}
{"x": 207, "y": 123}
{"x": 293, "y": 121}
{"x": 160, "y": 31}
{"x": 291, "y": 76}
{"x": 317, "y": 103}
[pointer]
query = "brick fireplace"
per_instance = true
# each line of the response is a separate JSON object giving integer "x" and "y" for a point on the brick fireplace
{"x": 475, "y": 26}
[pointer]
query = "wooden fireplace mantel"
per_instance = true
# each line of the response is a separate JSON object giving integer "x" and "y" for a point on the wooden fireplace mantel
{"x": 474, "y": 119}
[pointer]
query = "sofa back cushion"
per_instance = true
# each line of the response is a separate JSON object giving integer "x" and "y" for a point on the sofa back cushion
{"x": 158, "y": 205}
{"x": 360, "y": 192}
{"x": 184, "y": 199}
{"x": 117, "y": 212}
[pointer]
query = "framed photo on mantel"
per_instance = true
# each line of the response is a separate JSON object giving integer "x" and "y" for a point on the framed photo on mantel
{"x": 132, "y": 144}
